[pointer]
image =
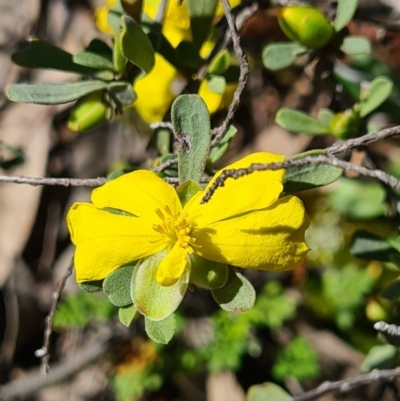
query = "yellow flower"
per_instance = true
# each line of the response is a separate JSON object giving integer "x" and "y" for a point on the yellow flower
{"x": 247, "y": 223}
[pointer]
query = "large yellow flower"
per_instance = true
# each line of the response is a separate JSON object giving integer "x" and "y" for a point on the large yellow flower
{"x": 247, "y": 223}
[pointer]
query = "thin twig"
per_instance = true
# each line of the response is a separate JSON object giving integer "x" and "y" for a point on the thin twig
{"x": 391, "y": 329}
{"x": 220, "y": 131}
{"x": 162, "y": 124}
{"x": 388, "y": 179}
{"x": 346, "y": 385}
{"x": 341, "y": 147}
{"x": 43, "y": 352}
{"x": 65, "y": 182}
{"x": 165, "y": 165}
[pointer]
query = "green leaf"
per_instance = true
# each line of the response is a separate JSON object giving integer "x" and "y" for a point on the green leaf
{"x": 299, "y": 360}
{"x": 298, "y": 121}
{"x": 280, "y": 55}
{"x": 218, "y": 151}
{"x": 380, "y": 356}
{"x": 217, "y": 84}
{"x": 220, "y": 63}
{"x": 126, "y": 314}
{"x": 378, "y": 91}
{"x": 41, "y": 54}
{"x": 161, "y": 331}
{"x": 238, "y": 295}
{"x": 325, "y": 116}
{"x": 187, "y": 190}
{"x": 191, "y": 124}
{"x": 366, "y": 245}
{"x": 11, "y": 156}
{"x": 122, "y": 93}
{"x": 267, "y": 391}
{"x": 91, "y": 286}
{"x": 117, "y": 286}
{"x": 208, "y": 274}
{"x": 52, "y": 93}
{"x": 344, "y": 13}
{"x": 392, "y": 291}
{"x": 135, "y": 45}
{"x": 309, "y": 177}
{"x": 355, "y": 45}
{"x": 151, "y": 299}
{"x": 93, "y": 60}
{"x": 188, "y": 54}
{"x": 201, "y": 16}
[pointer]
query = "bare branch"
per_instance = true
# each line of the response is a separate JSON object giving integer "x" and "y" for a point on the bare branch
{"x": 340, "y": 147}
{"x": 165, "y": 165}
{"x": 391, "y": 329}
{"x": 219, "y": 132}
{"x": 65, "y": 182}
{"x": 162, "y": 124}
{"x": 388, "y": 179}
{"x": 44, "y": 351}
{"x": 346, "y": 385}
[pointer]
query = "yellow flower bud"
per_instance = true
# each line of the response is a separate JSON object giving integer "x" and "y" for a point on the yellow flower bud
{"x": 89, "y": 112}
{"x": 305, "y": 25}
{"x": 345, "y": 124}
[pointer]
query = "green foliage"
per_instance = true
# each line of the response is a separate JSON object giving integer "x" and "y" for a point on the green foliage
{"x": 208, "y": 274}
{"x": 381, "y": 356}
{"x": 299, "y": 360}
{"x": 237, "y": 295}
{"x": 130, "y": 385}
{"x": 117, "y": 286}
{"x": 378, "y": 91}
{"x": 345, "y": 290}
{"x": 126, "y": 314}
{"x": 81, "y": 309}
{"x": 191, "y": 124}
{"x": 10, "y": 156}
{"x": 161, "y": 331}
{"x": 276, "y": 56}
{"x": 267, "y": 391}
{"x": 344, "y": 13}
{"x": 218, "y": 151}
{"x": 356, "y": 45}
{"x": 298, "y": 121}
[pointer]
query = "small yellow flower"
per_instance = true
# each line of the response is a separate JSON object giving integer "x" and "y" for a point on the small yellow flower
{"x": 247, "y": 223}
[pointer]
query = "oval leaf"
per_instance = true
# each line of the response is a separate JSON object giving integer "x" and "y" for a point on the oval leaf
{"x": 41, "y": 54}
{"x": 93, "y": 60}
{"x": 161, "y": 331}
{"x": 117, "y": 286}
{"x": 208, "y": 274}
{"x": 191, "y": 124}
{"x": 280, "y": 55}
{"x": 126, "y": 314}
{"x": 238, "y": 295}
{"x": 354, "y": 45}
{"x": 52, "y": 93}
{"x": 135, "y": 45}
{"x": 344, "y": 13}
{"x": 380, "y": 356}
{"x": 122, "y": 93}
{"x": 152, "y": 300}
{"x": 267, "y": 391}
{"x": 378, "y": 91}
{"x": 297, "y": 121}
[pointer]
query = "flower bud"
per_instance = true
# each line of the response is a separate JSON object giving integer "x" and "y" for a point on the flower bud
{"x": 305, "y": 25}
{"x": 345, "y": 124}
{"x": 89, "y": 112}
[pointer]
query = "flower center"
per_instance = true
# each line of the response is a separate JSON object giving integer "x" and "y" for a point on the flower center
{"x": 175, "y": 229}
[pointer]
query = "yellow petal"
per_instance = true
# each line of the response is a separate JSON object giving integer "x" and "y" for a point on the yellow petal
{"x": 172, "y": 266}
{"x": 105, "y": 241}
{"x": 140, "y": 193}
{"x": 269, "y": 239}
{"x": 254, "y": 191}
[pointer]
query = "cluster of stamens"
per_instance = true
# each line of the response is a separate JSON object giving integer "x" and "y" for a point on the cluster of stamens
{"x": 175, "y": 229}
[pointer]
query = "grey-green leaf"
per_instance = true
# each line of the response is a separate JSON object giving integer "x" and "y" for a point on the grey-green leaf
{"x": 267, "y": 392}
{"x": 91, "y": 286}
{"x": 135, "y": 45}
{"x": 325, "y": 116}
{"x": 93, "y": 60}
{"x": 344, "y": 13}
{"x": 191, "y": 124}
{"x": 366, "y": 245}
{"x": 298, "y": 121}
{"x": 41, "y": 54}
{"x": 117, "y": 286}
{"x": 126, "y": 314}
{"x": 52, "y": 93}
{"x": 354, "y": 45}
{"x": 280, "y": 55}
{"x": 161, "y": 331}
{"x": 379, "y": 90}
{"x": 380, "y": 356}
{"x": 122, "y": 93}
{"x": 237, "y": 295}
{"x": 151, "y": 299}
